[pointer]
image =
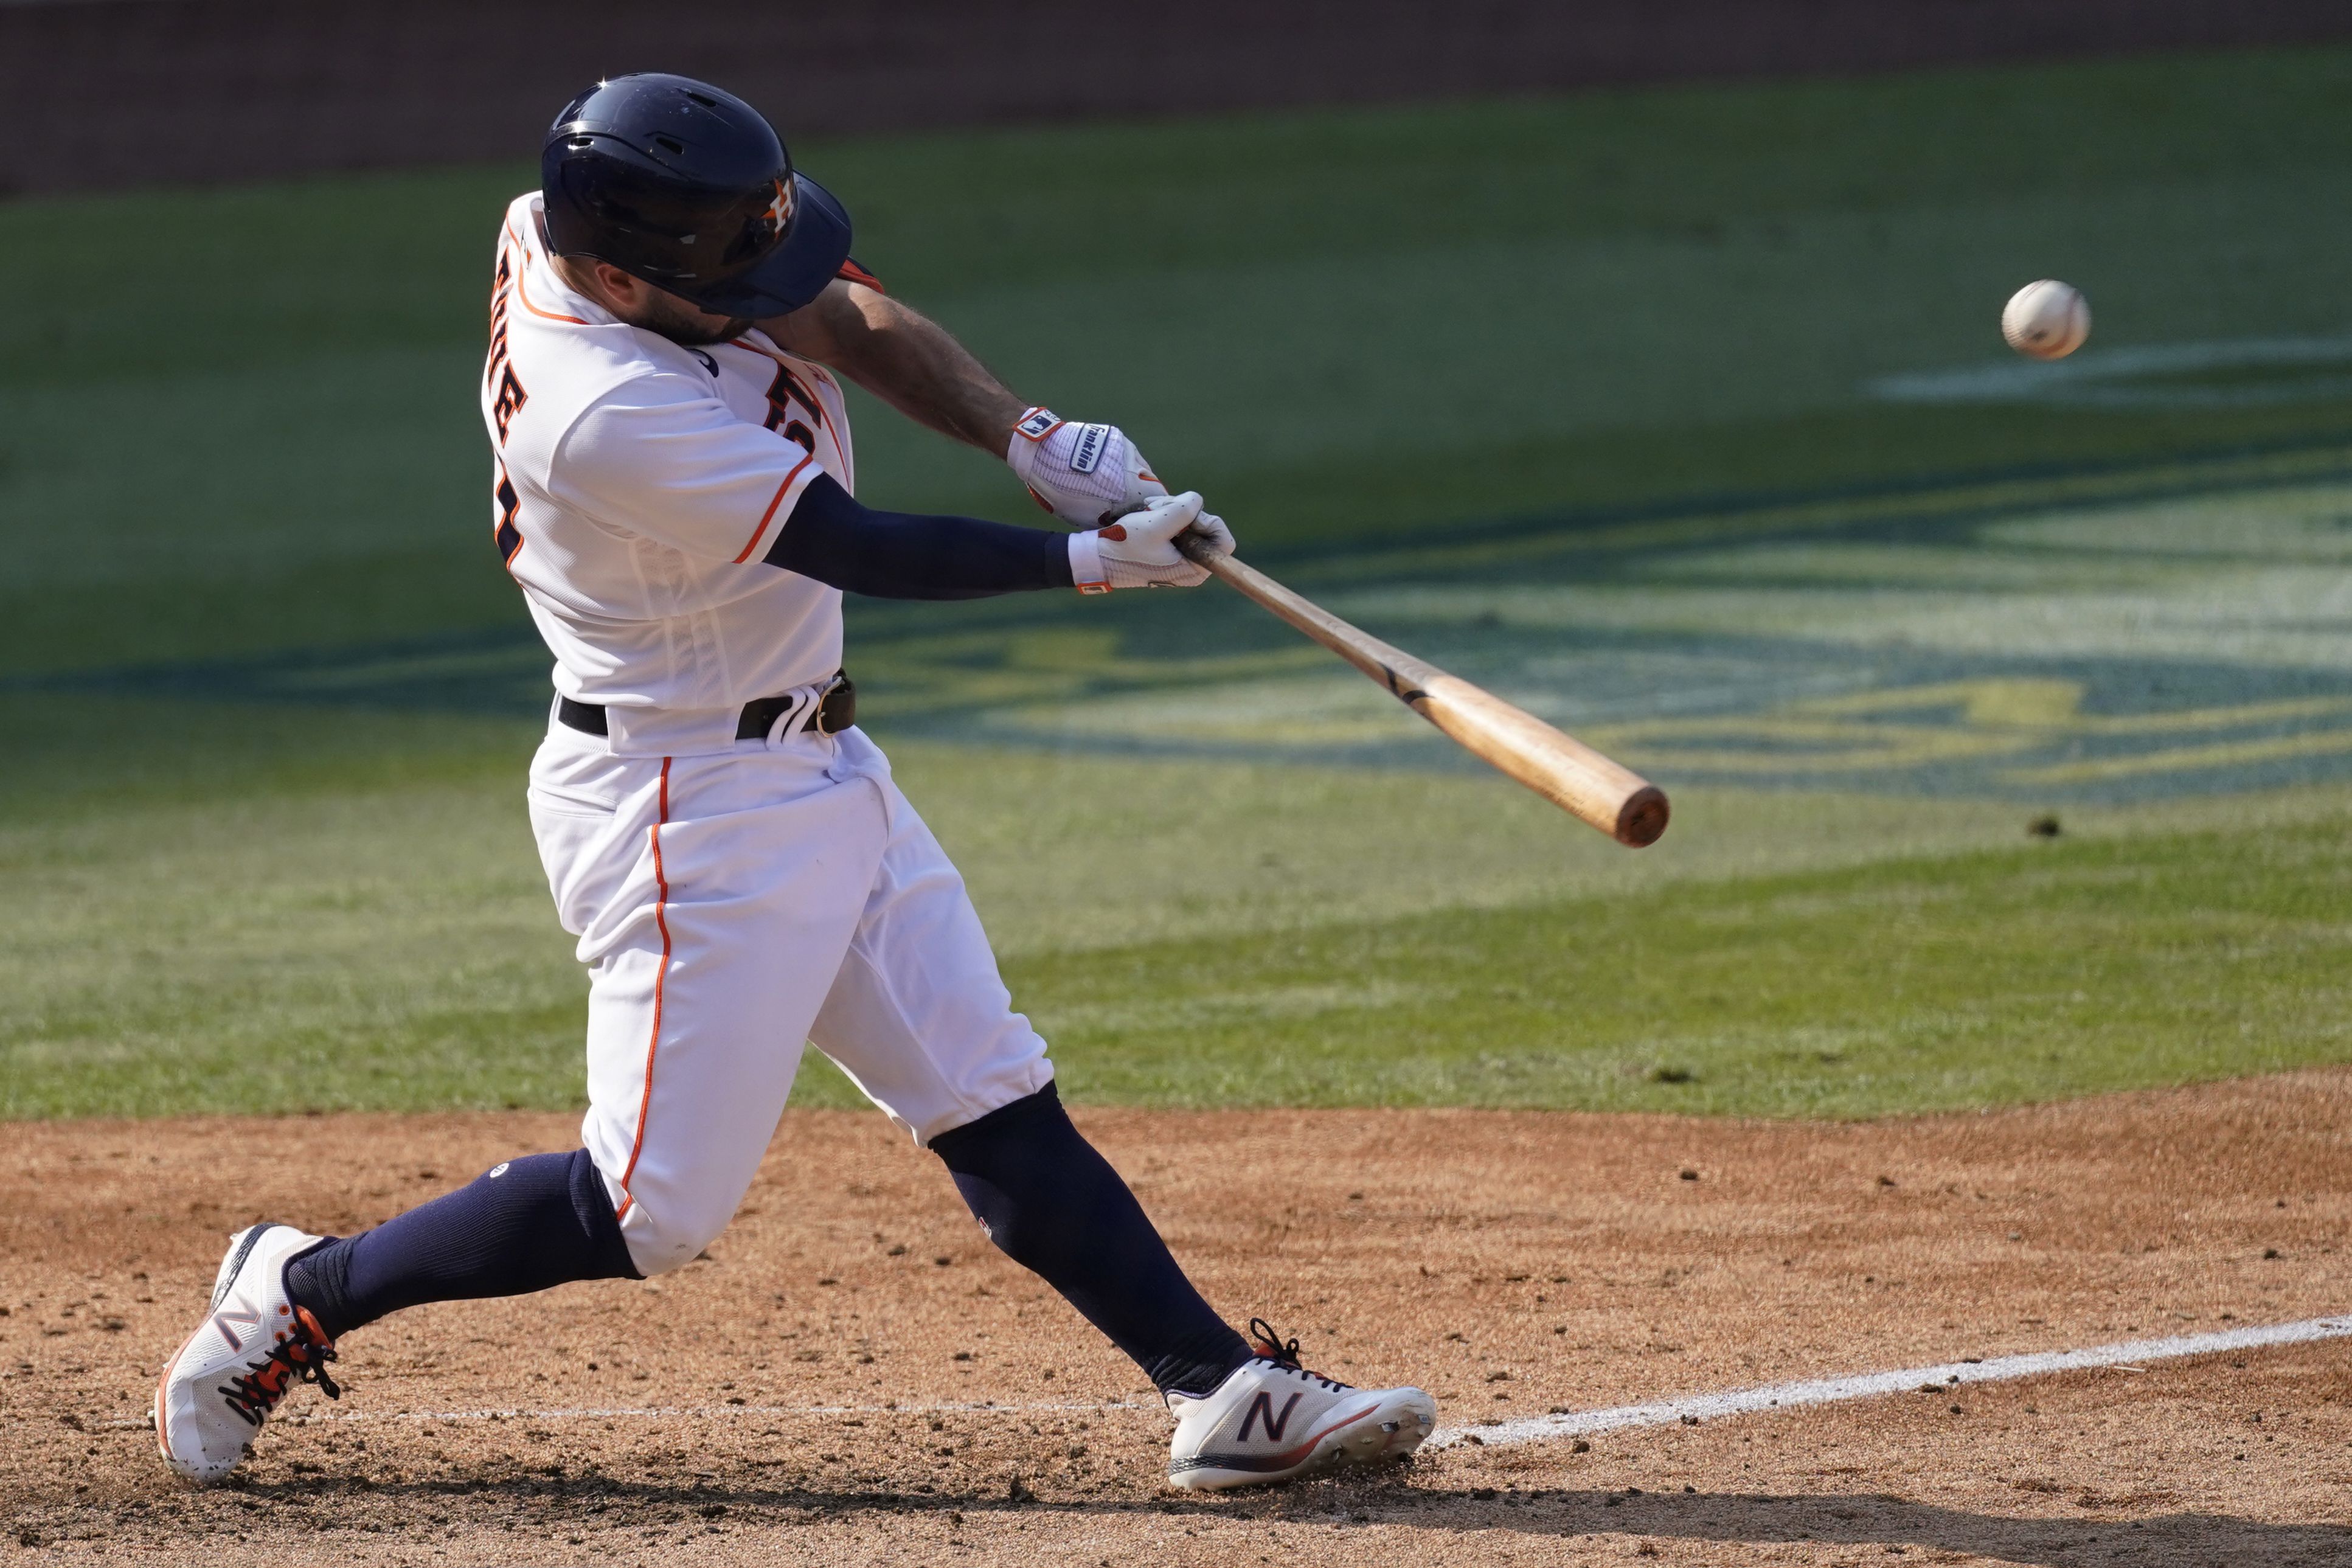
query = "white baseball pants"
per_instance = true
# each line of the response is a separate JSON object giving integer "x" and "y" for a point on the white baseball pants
{"x": 732, "y": 907}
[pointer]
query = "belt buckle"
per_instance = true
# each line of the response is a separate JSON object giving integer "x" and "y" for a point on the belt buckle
{"x": 816, "y": 708}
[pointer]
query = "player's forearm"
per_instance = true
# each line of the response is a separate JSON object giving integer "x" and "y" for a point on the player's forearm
{"x": 907, "y": 360}
{"x": 838, "y": 542}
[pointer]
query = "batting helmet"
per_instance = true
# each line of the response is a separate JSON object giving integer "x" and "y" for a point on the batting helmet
{"x": 690, "y": 189}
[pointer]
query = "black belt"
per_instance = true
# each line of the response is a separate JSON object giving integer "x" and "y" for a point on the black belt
{"x": 837, "y": 710}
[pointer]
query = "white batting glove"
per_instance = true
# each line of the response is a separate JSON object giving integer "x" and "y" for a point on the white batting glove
{"x": 1083, "y": 474}
{"x": 1139, "y": 550}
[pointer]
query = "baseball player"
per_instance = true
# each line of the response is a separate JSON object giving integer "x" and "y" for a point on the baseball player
{"x": 673, "y": 490}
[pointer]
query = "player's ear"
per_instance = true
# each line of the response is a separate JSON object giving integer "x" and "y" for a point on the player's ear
{"x": 619, "y": 286}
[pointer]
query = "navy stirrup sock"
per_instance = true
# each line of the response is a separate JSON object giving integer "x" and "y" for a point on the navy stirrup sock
{"x": 1044, "y": 1195}
{"x": 541, "y": 1220}
{"x": 1056, "y": 1206}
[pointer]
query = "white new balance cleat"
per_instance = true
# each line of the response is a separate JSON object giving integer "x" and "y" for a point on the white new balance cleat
{"x": 215, "y": 1392}
{"x": 1272, "y": 1420}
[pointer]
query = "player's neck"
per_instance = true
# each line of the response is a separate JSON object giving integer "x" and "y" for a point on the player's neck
{"x": 580, "y": 277}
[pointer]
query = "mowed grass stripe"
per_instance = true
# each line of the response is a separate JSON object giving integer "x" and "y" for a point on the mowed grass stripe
{"x": 258, "y": 906}
{"x": 1923, "y": 985}
{"x": 1650, "y": 271}
{"x": 1919, "y": 984}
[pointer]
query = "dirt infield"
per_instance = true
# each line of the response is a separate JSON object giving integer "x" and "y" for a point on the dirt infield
{"x": 1512, "y": 1263}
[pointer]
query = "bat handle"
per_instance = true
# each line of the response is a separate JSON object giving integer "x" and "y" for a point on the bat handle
{"x": 1194, "y": 546}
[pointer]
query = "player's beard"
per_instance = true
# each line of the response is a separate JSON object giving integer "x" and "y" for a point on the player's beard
{"x": 688, "y": 329}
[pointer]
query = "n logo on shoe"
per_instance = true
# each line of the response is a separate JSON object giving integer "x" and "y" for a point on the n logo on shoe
{"x": 1262, "y": 1409}
{"x": 249, "y": 1321}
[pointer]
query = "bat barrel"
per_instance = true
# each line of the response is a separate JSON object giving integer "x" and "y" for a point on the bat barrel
{"x": 1641, "y": 820}
{"x": 1596, "y": 789}
{"x": 1562, "y": 769}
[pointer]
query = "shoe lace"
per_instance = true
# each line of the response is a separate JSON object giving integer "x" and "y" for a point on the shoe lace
{"x": 1271, "y": 1346}
{"x": 299, "y": 1356}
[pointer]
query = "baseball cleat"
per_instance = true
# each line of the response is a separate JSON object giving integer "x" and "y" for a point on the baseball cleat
{"x": 1273, "y": 1420}
{"x": 253, "y": 1345}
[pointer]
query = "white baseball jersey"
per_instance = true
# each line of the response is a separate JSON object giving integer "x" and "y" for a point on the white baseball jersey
{"x": 732, "y": 899}
{"x": 637, "y": 486}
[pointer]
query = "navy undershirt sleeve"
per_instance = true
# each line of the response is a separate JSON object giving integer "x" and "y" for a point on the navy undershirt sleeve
{"x": 904, "y": 555}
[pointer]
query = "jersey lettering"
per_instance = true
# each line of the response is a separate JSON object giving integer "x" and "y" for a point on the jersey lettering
{"x": 503, "y": 532}
{"x": 510, "y": 397}
{"x": 499, "y": 320}
{"x": 787, "y": 399}
{"x": 627, "y": 475}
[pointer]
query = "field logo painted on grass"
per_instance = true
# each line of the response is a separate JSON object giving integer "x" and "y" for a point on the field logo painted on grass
{"x": 2027, "y": 734}
{"x": 2182, "y": 641}
{"x": 2103, "y": 635}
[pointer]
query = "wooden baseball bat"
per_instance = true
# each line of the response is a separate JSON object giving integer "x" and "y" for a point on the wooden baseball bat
{"x": 1559, "y": 767}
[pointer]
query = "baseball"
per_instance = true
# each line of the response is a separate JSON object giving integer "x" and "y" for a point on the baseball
{"x": 2048, "y": 320}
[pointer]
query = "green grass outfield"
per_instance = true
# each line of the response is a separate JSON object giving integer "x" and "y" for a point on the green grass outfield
{"x": 1676, "y": 416}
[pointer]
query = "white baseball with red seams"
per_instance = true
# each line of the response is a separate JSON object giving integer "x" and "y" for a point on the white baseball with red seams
{"x": 2046, "y": 320}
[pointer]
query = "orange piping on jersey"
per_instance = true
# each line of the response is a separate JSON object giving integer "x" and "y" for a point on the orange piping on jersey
{"x": 748, "y": 343}
{"x": 661, "y": 978}
{"x": 524, "y": 295}
{"x": 768, "y": 515}
{"x": 850, "y": 272}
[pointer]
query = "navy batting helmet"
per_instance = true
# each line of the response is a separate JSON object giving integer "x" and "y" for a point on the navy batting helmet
{"x": 690, "y": 189}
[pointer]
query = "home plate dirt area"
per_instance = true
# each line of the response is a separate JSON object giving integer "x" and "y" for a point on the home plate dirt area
{"x": 854, "y": 1375}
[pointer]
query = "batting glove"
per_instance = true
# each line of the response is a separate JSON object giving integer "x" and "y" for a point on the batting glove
{"x": 1084, "y": 474}
{"x": 1139, "y": 550}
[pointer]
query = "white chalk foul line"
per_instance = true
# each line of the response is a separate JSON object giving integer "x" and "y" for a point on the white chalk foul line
{"x": 2124, "y": 1356}
{"x": 2127, "y": 1355}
